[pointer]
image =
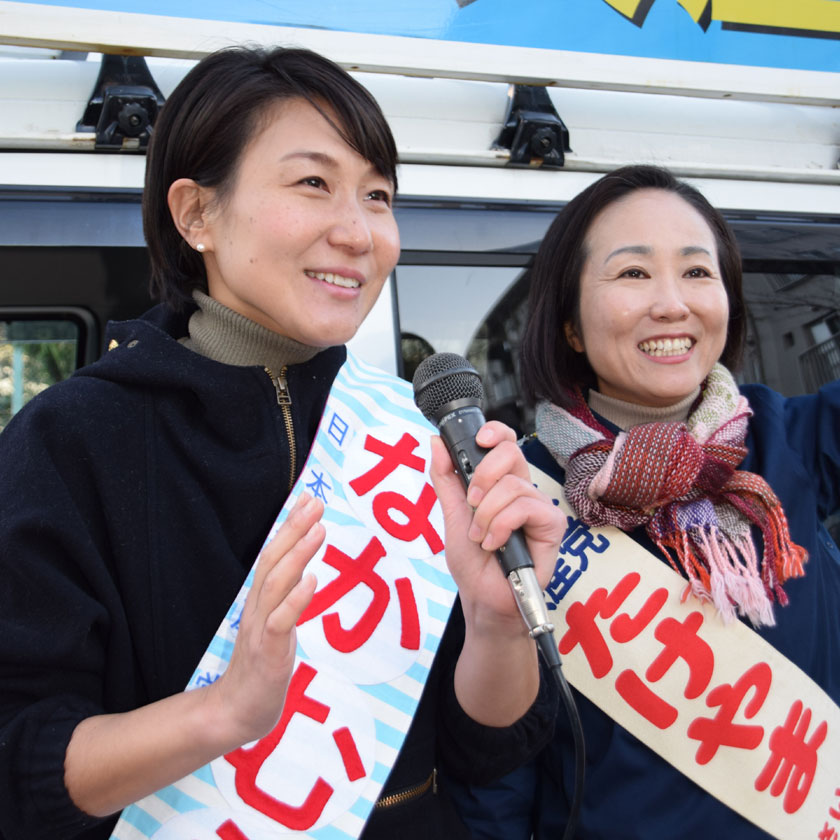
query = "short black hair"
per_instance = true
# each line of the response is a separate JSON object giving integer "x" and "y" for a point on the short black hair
{"x": 210, "y": 118}
{"x": 550, "y": 367}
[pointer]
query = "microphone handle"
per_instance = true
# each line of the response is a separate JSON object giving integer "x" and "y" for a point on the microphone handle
{"x": 458, "y": 426}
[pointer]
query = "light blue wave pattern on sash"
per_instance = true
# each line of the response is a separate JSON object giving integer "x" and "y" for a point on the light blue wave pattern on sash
{"x": 330, "y": 832}
{"x": 377, "y": 400}
{"x": 392, "y": 696}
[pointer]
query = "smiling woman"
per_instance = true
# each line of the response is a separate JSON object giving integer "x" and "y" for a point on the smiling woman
{"x": 152, "y": 477}
{"x": 636, "y": 316}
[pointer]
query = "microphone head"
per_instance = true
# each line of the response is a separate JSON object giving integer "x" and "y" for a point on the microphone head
{"x": 442, "y": 379}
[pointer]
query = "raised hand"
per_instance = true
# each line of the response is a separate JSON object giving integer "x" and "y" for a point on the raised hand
{"x": 252, "y": 690}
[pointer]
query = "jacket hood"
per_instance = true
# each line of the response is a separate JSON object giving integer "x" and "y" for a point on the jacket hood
{"x": 144, "y": 353}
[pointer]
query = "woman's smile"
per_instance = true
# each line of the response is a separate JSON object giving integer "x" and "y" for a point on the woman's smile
{"x": 667, "y": 348}
{"x": 336, "y": 278}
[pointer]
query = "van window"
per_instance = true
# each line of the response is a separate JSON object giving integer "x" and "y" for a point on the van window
{"x": 34, "y": 354}
{"x": 451, "y": 309}
{"x": 793, "y": 330}
{"x": 446, "y": 305}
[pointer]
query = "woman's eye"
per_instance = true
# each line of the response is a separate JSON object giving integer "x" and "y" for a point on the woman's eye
{"x": 633, "y": 273}
{"x": 698, "y": 272}
{"x": 314, "y": 181}
{"x": 380, "y": 195}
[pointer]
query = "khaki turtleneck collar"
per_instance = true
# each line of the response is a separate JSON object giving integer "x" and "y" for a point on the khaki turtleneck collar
{"x": 626, "y": 415}
{"x": 219, "y": 333}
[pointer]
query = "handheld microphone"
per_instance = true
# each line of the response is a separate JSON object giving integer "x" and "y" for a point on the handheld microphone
{"x": 448, "y": 391}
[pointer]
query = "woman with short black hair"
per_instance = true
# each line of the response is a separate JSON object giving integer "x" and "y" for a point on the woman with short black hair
{"x": 136, "y": 495}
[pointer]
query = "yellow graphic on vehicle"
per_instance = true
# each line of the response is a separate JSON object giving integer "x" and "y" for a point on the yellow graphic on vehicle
{"x": 780, "y": 17}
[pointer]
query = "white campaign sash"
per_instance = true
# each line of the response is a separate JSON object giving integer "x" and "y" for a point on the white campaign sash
{"x": 716, "y": 701}
{"x": 365, "y": 644}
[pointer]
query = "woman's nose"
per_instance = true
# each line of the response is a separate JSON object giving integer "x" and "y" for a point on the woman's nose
{"x": 351, "y": 229}
{"x": 669, "y": 302}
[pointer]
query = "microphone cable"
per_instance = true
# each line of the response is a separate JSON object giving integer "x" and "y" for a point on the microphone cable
{"x": 551, "y": 656}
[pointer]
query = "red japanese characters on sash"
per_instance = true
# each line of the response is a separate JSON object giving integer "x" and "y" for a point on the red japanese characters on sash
{"x": 365, "y": 643}
{"x": 714, "y": 699}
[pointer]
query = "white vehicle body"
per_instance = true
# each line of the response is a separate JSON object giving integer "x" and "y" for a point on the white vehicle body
{"x": 762, "y": 143}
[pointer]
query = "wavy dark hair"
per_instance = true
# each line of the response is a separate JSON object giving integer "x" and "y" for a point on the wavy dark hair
{"x": 550, "y": 367}
{"x": 210, "y": 118}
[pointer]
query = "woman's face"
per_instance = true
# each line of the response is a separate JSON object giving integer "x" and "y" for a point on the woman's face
{"x": 653, "y": 307}
{"x": 304, "y": 240}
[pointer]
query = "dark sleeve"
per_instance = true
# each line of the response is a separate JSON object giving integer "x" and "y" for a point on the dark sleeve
{"x": 503, "y": 810}
{"x": 476, "y": 754}
{"x": 804, "y": 430}
{"x": 52, "y": 630}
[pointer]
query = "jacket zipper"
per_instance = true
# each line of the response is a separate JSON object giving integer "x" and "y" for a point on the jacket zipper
{"x": 408, "y": 794}
{"x": 284, "y": 400}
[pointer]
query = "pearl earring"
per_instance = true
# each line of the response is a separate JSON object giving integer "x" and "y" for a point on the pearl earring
{"x": 200, "y": 247}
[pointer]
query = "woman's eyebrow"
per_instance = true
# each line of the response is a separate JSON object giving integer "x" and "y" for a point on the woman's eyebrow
{"x": 326, "y": 160}
{"x": 687, "y": 251}
{"x": 315, "y": 157}
{"x": 630, "y": 249}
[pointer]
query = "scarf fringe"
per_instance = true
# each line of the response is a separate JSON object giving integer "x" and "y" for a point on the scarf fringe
{"x": 724, "y": 574}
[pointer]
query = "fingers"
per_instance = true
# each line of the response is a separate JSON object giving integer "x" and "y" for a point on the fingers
{"x": 286, "y": 592}
{"x": 303, "y": 515}
{"x": 502, "y": 495}
{"x": 283, "y": 560}
{"x": 512, "y": 504}
{"x": 494, "y": 432}
{"x": 503, "y": 458}
{"x": 252, "y": 688}
{"x": 492, "y": 505}
{"x": 448, "y": 486}
{"x": 290, "y": 606}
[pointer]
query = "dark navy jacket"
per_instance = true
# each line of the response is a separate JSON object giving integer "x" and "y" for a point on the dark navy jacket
{"x": 134, "y": 497}
{"x": 631, "y": 793}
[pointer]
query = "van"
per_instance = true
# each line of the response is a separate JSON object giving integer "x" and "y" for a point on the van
{"x": 493, "y": 138}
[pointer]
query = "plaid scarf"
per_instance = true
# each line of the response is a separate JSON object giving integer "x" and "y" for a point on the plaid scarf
{"x": 680, "y": 481}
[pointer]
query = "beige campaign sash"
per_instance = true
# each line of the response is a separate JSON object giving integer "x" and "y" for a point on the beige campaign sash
{"x": 715, "y": 700}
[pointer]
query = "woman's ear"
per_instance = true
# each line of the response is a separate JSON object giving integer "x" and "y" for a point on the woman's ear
{"x": 572, "y": 337}
{"x": 188, "y": 204}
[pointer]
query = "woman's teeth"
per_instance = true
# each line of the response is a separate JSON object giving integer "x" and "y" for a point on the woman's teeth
{"x": 666, "y": 346}
{"x": 335, "y": 279}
